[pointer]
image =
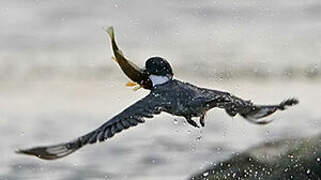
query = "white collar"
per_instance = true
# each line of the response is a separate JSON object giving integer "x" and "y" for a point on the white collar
{"x": 157, "y": 80}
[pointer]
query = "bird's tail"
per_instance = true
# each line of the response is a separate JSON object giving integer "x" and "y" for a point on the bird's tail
{"x": 255, "y": 113}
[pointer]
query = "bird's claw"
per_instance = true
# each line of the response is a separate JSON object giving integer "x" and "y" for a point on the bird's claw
{"x": 202, "y": 123}
{"x": 202, "y": 120}
{"x": 193, "y": 123}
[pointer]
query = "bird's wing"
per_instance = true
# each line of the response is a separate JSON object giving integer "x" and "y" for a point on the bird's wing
{"x": 252, "y": 112}
{"x": 234, "y": 105}
{"x": 132, "y": 116}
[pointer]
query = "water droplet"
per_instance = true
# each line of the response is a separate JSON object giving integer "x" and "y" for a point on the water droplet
{"x": 234, "y": 175}
{"x": 205, "y": 174}
{"x": 218, "y": 150}
{"x": 286, "y": 170}
{"x": 156, "y": 94}
{"x": 193, "y": 149}
{"x": 308, "y": 171}
{"x": 175, "y": 121}
{"x": 106, "y": 177}
{"x": 198, "y": 138}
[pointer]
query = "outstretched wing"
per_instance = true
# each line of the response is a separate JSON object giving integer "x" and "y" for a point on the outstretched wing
{"x": 132, "y": 116}
{"x": 252, "y": 112}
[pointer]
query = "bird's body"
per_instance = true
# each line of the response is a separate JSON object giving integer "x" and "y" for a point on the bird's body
{"x": 186, "y": 100}
{"x": 166, "y": 95}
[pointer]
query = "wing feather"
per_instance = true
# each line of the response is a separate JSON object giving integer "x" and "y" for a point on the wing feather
{"x": 132, "y": 116}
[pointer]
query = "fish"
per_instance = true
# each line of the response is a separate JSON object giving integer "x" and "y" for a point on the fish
{"x": 137, "y": 75}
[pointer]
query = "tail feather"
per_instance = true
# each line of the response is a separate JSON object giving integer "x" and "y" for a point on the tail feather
{"x": 110, "y": 32}
{"x": 255, "y": 113}
{"x": 286, "y": 103}
{"x": 259, "y": 112}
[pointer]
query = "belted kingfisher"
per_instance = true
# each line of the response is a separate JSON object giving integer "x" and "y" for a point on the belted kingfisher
{"x": 166, "y": 95}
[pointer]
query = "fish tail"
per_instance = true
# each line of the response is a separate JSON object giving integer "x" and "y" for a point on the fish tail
{"x": 110, "y": 32}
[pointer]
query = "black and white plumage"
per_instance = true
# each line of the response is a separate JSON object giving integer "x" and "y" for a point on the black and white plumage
{"x": 167, "y": 95}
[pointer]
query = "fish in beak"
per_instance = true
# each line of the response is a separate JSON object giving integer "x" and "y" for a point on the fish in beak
{"x": 137, "y": 75}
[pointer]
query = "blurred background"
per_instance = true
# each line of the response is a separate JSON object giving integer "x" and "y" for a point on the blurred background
{"x": 57, "y": 80}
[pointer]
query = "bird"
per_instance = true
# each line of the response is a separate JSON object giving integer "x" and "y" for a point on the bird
{"x": 170, "y": 95}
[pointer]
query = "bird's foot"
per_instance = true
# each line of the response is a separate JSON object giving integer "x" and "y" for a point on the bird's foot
{"x": 193, "y": 123}
{"x": 202, "y": 120}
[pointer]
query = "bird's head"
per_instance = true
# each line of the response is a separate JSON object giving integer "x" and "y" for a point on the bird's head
{"x": 158, "y": 70}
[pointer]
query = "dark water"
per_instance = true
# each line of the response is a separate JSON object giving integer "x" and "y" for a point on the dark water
{"x": 58, "y": 82}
